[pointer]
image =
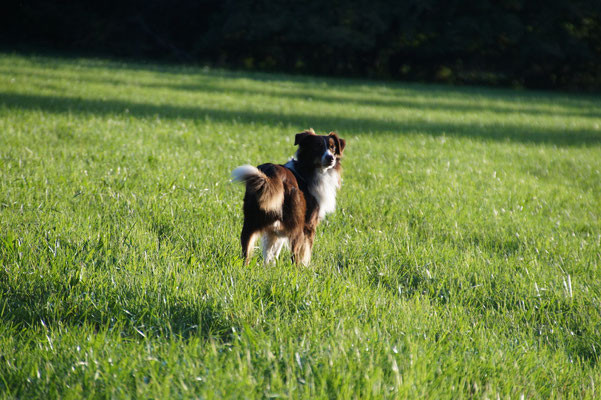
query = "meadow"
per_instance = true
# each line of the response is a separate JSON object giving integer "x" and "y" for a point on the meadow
{"x": 462, "y": 262}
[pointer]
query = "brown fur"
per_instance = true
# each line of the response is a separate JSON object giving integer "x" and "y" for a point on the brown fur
{"x": 279, "y": 201}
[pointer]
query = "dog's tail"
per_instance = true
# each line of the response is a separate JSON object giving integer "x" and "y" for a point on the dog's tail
{"x": 269, "y": 192}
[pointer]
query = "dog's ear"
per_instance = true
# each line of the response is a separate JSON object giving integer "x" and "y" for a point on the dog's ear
{"x": 301, "y": 136}
{"x": 342, "y": 145}
{"x": 340, "y": 142}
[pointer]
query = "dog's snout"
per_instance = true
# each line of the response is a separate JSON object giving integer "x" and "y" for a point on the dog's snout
{"x": 329, "y": 158}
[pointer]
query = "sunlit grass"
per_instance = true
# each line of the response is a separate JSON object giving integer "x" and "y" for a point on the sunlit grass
{"x": 462, "y": 261}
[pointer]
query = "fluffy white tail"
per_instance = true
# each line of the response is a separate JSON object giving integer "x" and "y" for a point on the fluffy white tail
{"x": 269, "y": 192}
{"x": 243, "y": 172}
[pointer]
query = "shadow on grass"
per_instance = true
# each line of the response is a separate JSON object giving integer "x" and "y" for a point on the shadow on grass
{"x": 348, "y": 125}
{"x": 52, "y": 64}
{"x": 352, "y": 92}
{"x": 463, "y": 101}
{"x": 131, "y": 314}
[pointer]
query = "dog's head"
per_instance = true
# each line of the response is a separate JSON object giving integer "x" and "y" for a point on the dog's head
{"x": 321, "y": 151}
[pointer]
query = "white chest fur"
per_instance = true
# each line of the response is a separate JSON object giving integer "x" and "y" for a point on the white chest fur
{"x": 323, "y": 188}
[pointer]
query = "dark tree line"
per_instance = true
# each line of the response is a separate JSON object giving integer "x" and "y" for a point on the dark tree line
{"x": 533, "y": 43}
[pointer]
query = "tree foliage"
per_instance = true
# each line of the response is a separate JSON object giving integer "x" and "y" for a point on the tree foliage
{"x": 531, "y": 43}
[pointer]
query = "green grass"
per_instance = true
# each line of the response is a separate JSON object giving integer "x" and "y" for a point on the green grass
{"x": 462, "y": 261}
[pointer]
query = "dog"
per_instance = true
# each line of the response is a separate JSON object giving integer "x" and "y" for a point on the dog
{"x": 285, "y": 203}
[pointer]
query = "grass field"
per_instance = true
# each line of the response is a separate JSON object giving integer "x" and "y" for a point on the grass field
{"x": 463, "y": 259}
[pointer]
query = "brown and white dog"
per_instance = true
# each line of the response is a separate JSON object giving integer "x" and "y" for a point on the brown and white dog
{"x": 285, "y": 203}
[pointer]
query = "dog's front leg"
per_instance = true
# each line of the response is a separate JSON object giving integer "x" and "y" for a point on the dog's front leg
{"x": 308, "y": 246}
{"x": 299, "y": 249}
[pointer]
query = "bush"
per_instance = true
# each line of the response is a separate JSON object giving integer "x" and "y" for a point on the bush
{"x": 513, "y": 42}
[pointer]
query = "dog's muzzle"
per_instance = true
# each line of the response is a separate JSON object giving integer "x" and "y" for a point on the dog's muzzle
{"x": 328, "y": 160}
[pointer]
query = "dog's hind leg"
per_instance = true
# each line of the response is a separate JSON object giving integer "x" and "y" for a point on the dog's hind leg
{"x": 248, "y": 239}
{"x": 272, "y": 245}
